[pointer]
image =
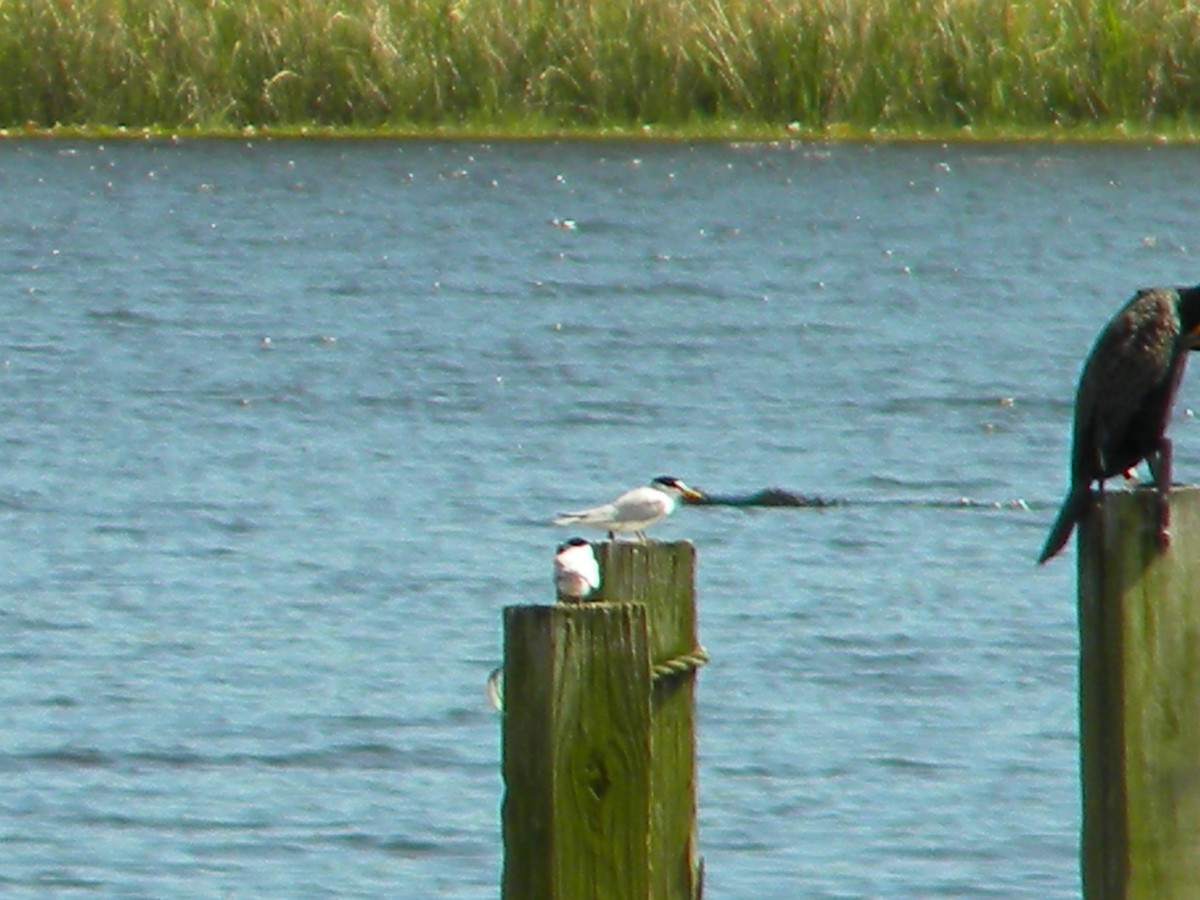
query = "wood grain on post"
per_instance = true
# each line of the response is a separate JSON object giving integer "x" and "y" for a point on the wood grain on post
{"x": 663, "y": 577}
{"x": 599, "y": 754}
{"x": 1139, "y": 620}
{"x": 576, "y": 752}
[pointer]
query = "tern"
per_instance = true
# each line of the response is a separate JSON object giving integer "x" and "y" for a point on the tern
{"x": 1124, "y": 400}
{"x": 635, "y": 510}
{"x": 576, "y": 572}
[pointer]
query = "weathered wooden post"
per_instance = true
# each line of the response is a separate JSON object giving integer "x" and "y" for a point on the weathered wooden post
{"x": 598, "y": 740}
{"x": 1139, "y": 621}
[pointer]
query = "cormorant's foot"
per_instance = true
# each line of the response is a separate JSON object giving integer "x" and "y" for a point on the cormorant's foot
{"x": 1164, "y": 524}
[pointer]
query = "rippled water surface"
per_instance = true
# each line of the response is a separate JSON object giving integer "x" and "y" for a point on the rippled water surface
{"x": 284, "y": 424}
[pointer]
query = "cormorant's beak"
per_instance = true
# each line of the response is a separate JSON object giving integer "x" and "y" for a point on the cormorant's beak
{"x": 1192, "y": 338}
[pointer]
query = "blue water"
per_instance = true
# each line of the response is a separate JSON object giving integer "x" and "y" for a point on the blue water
{"x": 284, "y": 425}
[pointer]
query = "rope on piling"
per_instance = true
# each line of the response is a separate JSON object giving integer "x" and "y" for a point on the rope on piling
{"x": 495, "y": 688}
{"x": 670, "y": 668}
{"x": 680, "y": 665}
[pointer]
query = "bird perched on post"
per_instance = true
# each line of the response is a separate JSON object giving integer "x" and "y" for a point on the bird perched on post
{"x": 635, "y": 510}
{"x": 576, "y": 572}
{"x": 1124, "y": 399}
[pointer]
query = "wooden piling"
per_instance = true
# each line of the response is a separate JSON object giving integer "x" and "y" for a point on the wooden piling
{"x": 599, "y": 736}
{"x": 1139, "y": 621}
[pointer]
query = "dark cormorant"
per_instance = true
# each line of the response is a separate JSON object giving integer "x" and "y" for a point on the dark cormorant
{"x": 1124, "y": 399}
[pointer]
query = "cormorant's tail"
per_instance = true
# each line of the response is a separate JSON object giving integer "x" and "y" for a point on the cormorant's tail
{"x": 1072, "y": 509}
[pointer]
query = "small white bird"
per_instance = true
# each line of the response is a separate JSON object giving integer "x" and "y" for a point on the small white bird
{"x": 636, "y": 510}
{"x": 576, "y": 572}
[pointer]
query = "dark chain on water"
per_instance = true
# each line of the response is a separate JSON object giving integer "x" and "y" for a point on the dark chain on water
{"x": 671, "y": 668}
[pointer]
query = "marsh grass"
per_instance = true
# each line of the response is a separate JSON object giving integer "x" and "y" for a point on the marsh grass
{"x": 537, "y": 65}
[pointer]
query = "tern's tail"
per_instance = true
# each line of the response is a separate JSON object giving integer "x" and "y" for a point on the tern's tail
{"x": 570, "y": 518}
{"x": 1072, "y": 509}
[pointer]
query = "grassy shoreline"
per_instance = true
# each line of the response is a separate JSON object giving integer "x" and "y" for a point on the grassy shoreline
{"x": 712, "y": 132}
{"x": 663, "y": 69}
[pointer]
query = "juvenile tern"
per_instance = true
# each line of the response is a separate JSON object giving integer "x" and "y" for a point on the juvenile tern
{"x": 576, "y": 572}
{"x": 1124, "y": 399}
{"x": 635, "y": 510}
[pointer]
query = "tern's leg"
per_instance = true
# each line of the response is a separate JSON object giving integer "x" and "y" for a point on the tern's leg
{"x": 1160, "y": 467}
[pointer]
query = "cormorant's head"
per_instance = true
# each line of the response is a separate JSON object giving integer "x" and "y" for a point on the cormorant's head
{"x": 1189, "y": 315}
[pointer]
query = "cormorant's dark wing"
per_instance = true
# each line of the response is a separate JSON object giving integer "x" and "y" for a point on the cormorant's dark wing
{"x": 1133, "y": 358}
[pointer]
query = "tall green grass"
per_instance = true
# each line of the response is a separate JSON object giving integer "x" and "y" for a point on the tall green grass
{"x": 898, "y": 65}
